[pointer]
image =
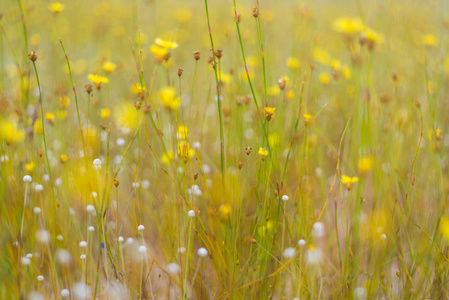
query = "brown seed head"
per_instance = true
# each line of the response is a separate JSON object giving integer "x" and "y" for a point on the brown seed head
{"x": 32, "y": 56}
{"x": 88, "y": 88}
{"x": 137, "y": 105}
{"x": 248, "y": 150}
{"x": 180, "y": 70}
{"x": 116, "y": 182}
{"x": 219, "y": 53}
{"x": 196, "y": 55}
{"x": 255, "y": 12}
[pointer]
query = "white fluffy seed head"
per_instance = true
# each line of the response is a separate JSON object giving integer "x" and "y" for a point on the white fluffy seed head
{"x": 141, "y": 228}
{"x": 83, "y": 256}
{"x": 182, "y": 250}
{"x": 142, "y": 249}
{"x": 202, "y": 252}
{"x": 37, "y": 210}
{"x": 120, "y": 239}
{"x": 97, "y": 163}
{"x": 301, "y": 242}
{"x": 25, "y": 261}
{"x": 383, "y": 236}
{"x": 191, "y": 213}
{"x": 318, "y": 229}
{"x": 63, "y": 256}
{"x": 129, "y": 240}
{"x": 91, "y": 228}
{"x": 173, "y": 268}
{"x": 43, "y": 236}
{"x": 40, "y": 278}
{"x": 27, "y": 178}
{"x": 83, "y": 244}
{"x": 65, "y": 293}
{"x": 60, "y": 238}
{"x": 285, "y": 198}
{"x": 120, "y": 142}
{"x": 90, "y": 208}
{"x": 289, "y": 252}
{"x": 38, "y": 188}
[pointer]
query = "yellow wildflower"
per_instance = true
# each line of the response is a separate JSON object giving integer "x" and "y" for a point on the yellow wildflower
{"x": 348, "y": 25}
{"x": 181, "y": 133}
{"x": 321, "y": 56}
{"x": 167, "y": 157}
{"x": 109, "y": 66}
{"x": 63, "y": 158}
{"x": 126, "y": 116}
{"x": 346, "y": 72}
{"x": 29, "y": 167}
{"x": 336, "y": 65}
{"x": 136, "y": 89}
{"x": 97, "y": 80}
{"x": 325, "y": 78}
{"x": 56, "y": 7}
{"x": 274, "y": 90}
{"x": 365, "y": 164}
{"x": 263, "y": 153}
{"x": 290, "y": 94}
{"x": 184, "y": 150}
{"x": 349, "y": 180}
{"x": 50, "y": 117}
{"x": 166, "y": 44}
{"x": 225, "y": 210}
{"x": 64, "y": 101}
{"x": 10, "y": 133}
{"x": 429, "y": 40}
{"x": 269, "y": 112}
{"x": 105, "y": 113}
{"x": 159, "y": 53}
{"x": 168, "y": 98}
{"x": 293, "y": 63}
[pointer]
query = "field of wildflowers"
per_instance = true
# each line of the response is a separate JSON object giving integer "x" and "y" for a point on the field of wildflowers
{"x": 211, "y": 149}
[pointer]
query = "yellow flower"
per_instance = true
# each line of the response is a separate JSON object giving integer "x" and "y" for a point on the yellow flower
{"x": 9, "y": 132}
{"x": 290, "y": 95}
{"x": 63, "y": 158}
{"x": 321, "y": 56}
{"x": 184, "y": 150}
{"x": 429, "y": 40}
{"x": 336, "y": 65}
{"x": 50, "y": 117}
{"x": 97, "y": 80}
{"x": 226, "y": 77}
{"x": 325, "y": 78}
{"x": 64, "y": 101}
{"x": 307, "y": 116}
{"x": 365, "y": 164}
{"x": 126, "y": 116}
{"x": 263, "y": 153}
{"x": 29, "y": 167}
{"x": 293, "y": 63}
{"x": 269, "y": 112}
{"x": 136, "y": 89}
{"x": 273, "y": 139}
{"x": 274, "y": 90}
{"x": 444, "y": 227}
{"x": 159, "y": 52}
{"x": 109, "y": 66}
{"x": 348, "y": 25}
{"x": 181, "y": 133}
{"x": 166, "y": 44}
{"x": 105, "y": 113}
{"x": 167, "y": 157}
{"x": 225, "y": 210}
{"x": 168, "y": 98}
{"x": 37, "y": 128}
{"x": 349, "y": 180}
{"x": 56, "y": 7}
{"x": 346, "y": 72}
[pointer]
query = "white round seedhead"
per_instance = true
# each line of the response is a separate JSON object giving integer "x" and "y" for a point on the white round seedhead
{"x": 83, "y": 256}
{"x": 65, "y": 293}
{"x": 173, "y": 268}
{"x": 202, "y": 252}
{"x": 141, "y": 228}
{"x": 83, "y": 244}
{"x": 142, "y": 249}
{"x": 181, "y": 250}
{"x": 38, "y": 188}
{"x": 301, "y": 242}
{"x": 97, "y": 163}
{"x": 120, "y": 239}
{"x": 191, "y": 213}
{"x": 318, "y": 229}
{"x": 27, "y": 178}
{"x": 40, "y": 278}
{"x": 91, "y": 228}
{"x": 90, "y": 208}
{"x": 285, "y": 198}
{"x": 289, "y": 252}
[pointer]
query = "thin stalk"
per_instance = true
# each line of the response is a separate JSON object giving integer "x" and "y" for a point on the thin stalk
{"x": 218, "y": 98}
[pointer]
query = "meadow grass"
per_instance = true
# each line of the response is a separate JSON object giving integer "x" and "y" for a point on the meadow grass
{"x": 240, "y": 149}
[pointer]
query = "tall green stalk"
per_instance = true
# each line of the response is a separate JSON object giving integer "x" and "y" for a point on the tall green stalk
{"x": 217, "y": 82}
